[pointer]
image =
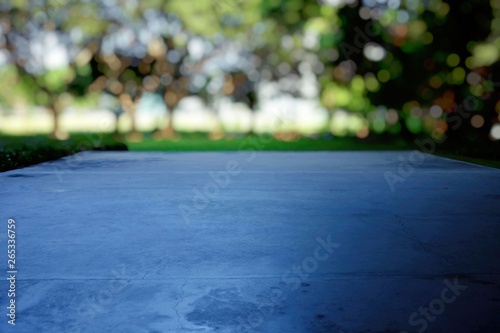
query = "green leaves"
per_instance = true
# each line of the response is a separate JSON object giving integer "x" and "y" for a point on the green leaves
{"x": 211, "y": 17}
{"x": 55, "y": 80}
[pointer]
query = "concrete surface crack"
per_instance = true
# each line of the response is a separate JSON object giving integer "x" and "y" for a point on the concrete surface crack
{"x": 180, "y": 300}
{"x": 34, "y": 294}
{"x": 420, "y": 243}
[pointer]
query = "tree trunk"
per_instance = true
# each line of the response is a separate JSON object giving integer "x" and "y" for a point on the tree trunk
{"x": 55, "y": 121}
{"x": 56, "y": 133}
{"x": 169, "y": 131}
{"x": 134, "y": 134}
{"x": 116, "y": 133}
{"x": 133, "y": 107}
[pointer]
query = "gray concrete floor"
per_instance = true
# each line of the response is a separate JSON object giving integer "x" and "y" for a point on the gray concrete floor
{"x": 280, "y": 242}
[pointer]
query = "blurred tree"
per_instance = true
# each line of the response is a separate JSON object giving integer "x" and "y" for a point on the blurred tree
{"x": 130, "y": 56}
{"x": 58, "y": 51}
{"x": 432, "y": 66}
{"x": 43, "y": 55}
{"x": 233, "y": 19}
{"x": 399, "y": 66}
{"x": 409, "y": 56}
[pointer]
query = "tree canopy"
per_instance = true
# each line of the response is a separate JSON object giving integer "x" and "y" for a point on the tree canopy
{"x": 397, "y": 66}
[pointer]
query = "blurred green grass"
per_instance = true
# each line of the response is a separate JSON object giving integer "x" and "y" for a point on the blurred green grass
{"x": 21, "y": 151}
{"x": 199, "y": 142}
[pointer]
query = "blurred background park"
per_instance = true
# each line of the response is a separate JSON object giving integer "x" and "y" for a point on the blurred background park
{"x": 213, "y": 74}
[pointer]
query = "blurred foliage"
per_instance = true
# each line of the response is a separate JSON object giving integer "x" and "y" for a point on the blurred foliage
{"x": 403, "y": 67}
{"x": 231, "y": 18}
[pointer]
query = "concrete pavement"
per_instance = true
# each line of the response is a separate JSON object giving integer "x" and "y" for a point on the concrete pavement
{"x": 252, "y": 242}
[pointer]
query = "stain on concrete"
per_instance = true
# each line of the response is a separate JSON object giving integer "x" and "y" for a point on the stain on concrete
{"x": 220, "y": 308}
